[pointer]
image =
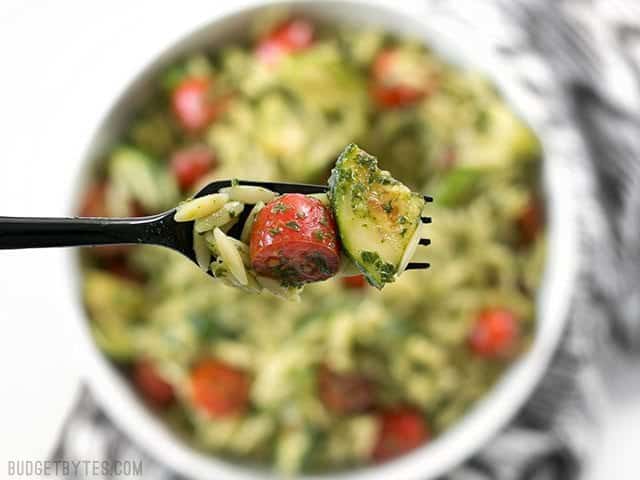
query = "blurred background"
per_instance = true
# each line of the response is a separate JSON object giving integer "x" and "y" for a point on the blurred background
{"x": 61, "y": 63}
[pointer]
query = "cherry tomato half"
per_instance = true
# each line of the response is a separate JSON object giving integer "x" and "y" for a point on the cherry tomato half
{"x": 94, "y": 204}
{"x": 495, "y": 333}
{"x": 291, "y": 36}
{"x": 219, "y": 389}
{"x": 344, "y": 393}
{"x": 399, "y": 80}
{"x": 119, "y": 267}
{"x": 294, "y": 240}
{"x": 155, "y": 389}
{"x": 94, "y": 201}
{"x": 193, "y": 104}
{"x": 401, "y": 430}
{"x": 192, "y": 163}
{"x": 530, "y": 222}
{"x": 354, "y": 282}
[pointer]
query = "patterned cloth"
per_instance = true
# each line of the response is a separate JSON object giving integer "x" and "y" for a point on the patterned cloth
{"x": 580, "y": 60}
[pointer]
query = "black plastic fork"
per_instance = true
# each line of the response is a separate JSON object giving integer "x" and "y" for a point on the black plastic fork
{"x": 160, "y": 229}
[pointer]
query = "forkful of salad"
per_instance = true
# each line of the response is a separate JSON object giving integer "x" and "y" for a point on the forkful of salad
{"x": 265, "y": 235}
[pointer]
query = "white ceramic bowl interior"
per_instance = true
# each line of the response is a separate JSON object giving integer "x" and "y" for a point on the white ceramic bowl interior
{"x": 492, "y": 412}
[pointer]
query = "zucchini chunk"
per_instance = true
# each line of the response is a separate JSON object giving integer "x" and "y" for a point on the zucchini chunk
{"x": 377, "y": 216}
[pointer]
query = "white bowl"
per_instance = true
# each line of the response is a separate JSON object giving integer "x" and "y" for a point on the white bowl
{"x": 495, "y": 410}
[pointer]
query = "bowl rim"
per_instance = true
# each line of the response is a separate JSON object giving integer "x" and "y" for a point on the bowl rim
{"x": 489, "y": 414}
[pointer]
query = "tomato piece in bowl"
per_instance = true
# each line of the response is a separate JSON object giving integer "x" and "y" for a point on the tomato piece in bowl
{"x": 291, "y": 36}
{"x": 401, "y": 430}
{"x": 192, "y": 163}
{"x": 94, "y": 204}
{"x": 399, "y": 79}
{"x": 530, "y": 222}
{"x": 354, "y": 282}
{"x": 219, "y": 389}
{"x": 194, "y": 104}
{"x": 495, "y": 334}
{"x": 153, "y": 387}
{"x": 344, "y": 393}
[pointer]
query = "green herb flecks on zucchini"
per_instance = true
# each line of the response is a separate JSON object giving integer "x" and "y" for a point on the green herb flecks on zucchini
{"x": 377, "y": 216}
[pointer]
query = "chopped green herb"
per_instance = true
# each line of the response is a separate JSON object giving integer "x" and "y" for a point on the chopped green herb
{"x": 369, "y": 257}
{"x": 385, "y": 270}
{"x": 219, "y": 271}
{"x": 482, "y": 121}
{"x": 363, "y": 158}
{"x": 293, "y": 225}
{"x": 208, "y": 326}
{"x": 319, "y": 234}
{"x": 275, "y": 231}
{"x": 358, "y": 191}
{"x": 287, "y": 275}
{"x": 279, "y": 208}
{"x": 321, "y": 263}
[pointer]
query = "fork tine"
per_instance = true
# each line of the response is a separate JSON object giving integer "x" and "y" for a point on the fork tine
{"x": 285, "y": 187}
{"x": 418, "y": 266}
{"x": 278, "y": 187}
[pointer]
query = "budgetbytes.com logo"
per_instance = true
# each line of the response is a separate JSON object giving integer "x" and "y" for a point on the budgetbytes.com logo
{"x": 74, "y": 468}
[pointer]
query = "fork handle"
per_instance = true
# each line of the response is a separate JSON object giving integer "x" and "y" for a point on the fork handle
{"x": 24, "y": 232}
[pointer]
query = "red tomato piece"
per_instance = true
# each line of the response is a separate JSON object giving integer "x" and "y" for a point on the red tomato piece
{"x": 94, "y": 204}
{"x": 193, "y": 105}
{"x": 354, "y": 282}
{"x": 219, "y": 389}
{"x": 192, "y": 163}
{"x": 401, "y": 430}
{"x": 137, "y": 210}
{"x": 118, "y": 266}
{"x": 344, "y": 393}
{"x": 530, "y": 222}
{"x": 290, "y": 37}
{"x": 155, "y": 389}
{"x": 397, "y": 80}
{"x": 269, "y": 52}
{"x": 294, "y": 240}
{"x": 495, "y": 333}
{"x": 398, "y": 96}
